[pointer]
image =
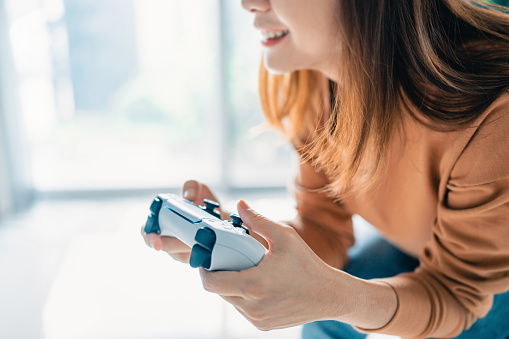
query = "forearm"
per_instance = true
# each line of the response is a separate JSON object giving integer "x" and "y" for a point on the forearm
{"x": 331, "y": 248}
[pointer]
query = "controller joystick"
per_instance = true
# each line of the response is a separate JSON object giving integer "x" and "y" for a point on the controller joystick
{"x": 237, "y": 222}
{"x": 210, "y": 207}
{"x": 216, "y": 244}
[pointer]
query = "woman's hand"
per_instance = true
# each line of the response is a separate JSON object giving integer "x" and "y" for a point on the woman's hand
{"x": 290, "y": 286}
{"x": 195, "y": 192}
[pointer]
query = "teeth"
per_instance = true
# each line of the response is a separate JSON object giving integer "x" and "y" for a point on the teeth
{"x": 273, "y": 35}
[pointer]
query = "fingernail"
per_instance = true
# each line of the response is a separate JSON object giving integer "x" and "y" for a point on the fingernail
{"x": 243, "y": 204}
{"x": 189, "y": 193}
{"x": 151, "y": 243}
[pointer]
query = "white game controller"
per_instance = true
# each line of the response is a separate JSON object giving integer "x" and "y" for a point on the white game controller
{"x": 217, "y": 245}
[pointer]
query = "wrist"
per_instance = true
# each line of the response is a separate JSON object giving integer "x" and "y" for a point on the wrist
{"x": 367, "y": 304}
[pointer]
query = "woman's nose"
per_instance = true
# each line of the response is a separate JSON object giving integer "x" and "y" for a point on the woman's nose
{"x": 256, "y": 5}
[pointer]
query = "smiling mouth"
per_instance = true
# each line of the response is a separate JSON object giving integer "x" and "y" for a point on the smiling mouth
{"x": 266, "y": 36}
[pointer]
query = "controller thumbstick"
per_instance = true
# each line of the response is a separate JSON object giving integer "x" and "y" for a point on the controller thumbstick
{"x": 236, "y": 220}
{"x": 210, "y": 207}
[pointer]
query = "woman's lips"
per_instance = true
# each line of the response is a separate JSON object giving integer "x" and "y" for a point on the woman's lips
{"x": 271, "y": 38}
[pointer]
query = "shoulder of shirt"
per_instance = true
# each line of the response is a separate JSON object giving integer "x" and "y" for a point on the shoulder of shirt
{"x": 481, "y": 152}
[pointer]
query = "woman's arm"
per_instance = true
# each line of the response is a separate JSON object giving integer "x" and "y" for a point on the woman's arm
{"x": 465, "y": 263}
{"x": 323, "y": 224}
{"x": 293, "y": 286}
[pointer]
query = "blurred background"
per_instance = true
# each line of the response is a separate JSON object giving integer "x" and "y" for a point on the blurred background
{"x": 117, "y": 94}
{"x": 104, "y": 104}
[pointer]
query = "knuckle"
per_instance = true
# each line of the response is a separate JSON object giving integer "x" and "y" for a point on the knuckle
{"x": 181, "y": 257}
{"x": 165, "y": 247}
{"x": 262, "y": 326}
{"x": 189, "y": 183}
{"x": 207, "y": 285}
{"x": 257, "y": 314}
{"x": 257, "y": 292}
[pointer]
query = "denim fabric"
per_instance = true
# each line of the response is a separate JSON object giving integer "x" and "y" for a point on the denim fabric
{"x": 374, "y": 257}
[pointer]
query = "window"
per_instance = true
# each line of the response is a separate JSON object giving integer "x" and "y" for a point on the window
{"x": 133, "y": 94}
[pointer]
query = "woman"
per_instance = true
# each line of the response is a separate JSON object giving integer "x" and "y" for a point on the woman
{"x": 400, "y": 113}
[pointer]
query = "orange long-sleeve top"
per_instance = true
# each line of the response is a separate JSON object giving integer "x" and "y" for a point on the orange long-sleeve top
{"x": 445, "y": 200}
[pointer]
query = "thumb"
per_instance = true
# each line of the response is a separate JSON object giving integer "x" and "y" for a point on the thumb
{"x": 268, "y": 229}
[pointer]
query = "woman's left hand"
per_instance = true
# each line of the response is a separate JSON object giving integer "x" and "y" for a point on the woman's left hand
{"x": 290, "y": 286}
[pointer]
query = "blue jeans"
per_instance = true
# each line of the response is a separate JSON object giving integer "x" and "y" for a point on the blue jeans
{"x": 373, "y": 257}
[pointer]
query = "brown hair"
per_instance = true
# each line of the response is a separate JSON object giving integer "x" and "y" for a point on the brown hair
{"x": 446, "y": 59}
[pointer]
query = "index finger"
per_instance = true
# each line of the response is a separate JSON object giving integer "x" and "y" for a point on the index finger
{"x": 152, "y": 239}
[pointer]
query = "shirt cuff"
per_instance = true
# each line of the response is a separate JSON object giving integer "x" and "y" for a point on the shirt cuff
{"x": 413, "y": 307}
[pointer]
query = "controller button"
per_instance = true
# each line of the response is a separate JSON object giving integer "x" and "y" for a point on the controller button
{"x": 227, "y": 225}
{"x": 206, "y": 238}
{"x": 211, "y": 203}
{"x": 210, "y": 207}
{"x": 200, "y": 257}
{"x": 236, "y": 220}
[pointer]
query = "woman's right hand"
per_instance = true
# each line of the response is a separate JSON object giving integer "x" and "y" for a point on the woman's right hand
{"x": 195, "y": 192}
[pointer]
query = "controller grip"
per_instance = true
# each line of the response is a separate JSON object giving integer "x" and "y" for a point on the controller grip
{"x": 201, "y": 254}
{"x": 152, "y": 224}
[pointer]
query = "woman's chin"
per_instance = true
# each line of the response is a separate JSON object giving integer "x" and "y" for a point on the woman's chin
{"x": 278, "y": 66}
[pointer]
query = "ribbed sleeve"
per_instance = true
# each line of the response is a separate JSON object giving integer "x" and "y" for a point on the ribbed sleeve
{"x": 322, "y": 223}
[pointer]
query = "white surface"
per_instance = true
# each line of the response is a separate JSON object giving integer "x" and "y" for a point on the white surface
{"x": 113, "y": 286}
{"x": 80, "y": 269}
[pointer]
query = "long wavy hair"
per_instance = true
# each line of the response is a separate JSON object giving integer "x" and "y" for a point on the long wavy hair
{"x": 447, "y": 60}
